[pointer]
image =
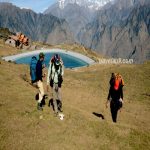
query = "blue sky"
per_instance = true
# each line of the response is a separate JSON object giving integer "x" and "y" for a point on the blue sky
{"x": 36, "y": 5}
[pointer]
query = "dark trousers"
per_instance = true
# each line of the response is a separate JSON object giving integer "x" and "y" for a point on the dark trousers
{"x": 114, "y": 110}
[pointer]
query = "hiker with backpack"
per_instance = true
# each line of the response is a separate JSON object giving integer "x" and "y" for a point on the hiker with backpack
{"x": 115, "y": 95}
{"x": 55, "y": 79}
{"x": 33, "y": 69}
{"x": 39, "y": 76}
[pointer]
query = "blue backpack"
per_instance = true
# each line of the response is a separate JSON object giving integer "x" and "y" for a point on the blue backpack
{"x": 33, "y": 69}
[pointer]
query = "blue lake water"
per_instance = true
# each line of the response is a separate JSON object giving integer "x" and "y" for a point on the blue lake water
{"x": 69, "y": 61}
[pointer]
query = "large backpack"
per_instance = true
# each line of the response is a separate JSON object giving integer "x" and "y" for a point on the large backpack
{"x": 33, "y": 69}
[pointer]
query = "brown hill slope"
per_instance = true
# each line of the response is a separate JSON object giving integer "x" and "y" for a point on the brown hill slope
{"x": 84, "y": 92}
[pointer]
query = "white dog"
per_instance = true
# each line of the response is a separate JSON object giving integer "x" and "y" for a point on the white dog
{"x": 61, "y": 116}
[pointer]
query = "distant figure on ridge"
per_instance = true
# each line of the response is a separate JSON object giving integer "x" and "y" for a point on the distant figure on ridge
{"x": 115, "y": 95}
{"x": 55, "y": 79}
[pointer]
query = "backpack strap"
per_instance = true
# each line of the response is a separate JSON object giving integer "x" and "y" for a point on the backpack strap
{"x": 52, "y": 63}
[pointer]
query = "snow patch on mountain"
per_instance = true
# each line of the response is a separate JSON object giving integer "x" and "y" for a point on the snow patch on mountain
{"x": 91, "y": 4}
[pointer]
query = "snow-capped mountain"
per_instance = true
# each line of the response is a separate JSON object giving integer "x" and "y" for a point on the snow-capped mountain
{"x": 92, "y": 4}
{"x": 77, "y": 13}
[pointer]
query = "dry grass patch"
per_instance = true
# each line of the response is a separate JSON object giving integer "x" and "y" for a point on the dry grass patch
{"x": 84, "y": 91}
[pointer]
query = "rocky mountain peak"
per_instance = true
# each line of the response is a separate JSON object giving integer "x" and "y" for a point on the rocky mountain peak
{"x": 44, "y": 28}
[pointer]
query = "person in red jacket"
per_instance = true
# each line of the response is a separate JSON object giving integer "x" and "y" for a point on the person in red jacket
{"x": 115, "y": 95}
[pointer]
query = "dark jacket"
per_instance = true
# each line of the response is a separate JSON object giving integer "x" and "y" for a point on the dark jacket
{"x": 39, "y": 73}
{"x": 115, "y": 94}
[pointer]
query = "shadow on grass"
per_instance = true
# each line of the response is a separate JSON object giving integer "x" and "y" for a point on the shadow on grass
{"x": 146, "y": 94}
{"x": 98, "y": 115}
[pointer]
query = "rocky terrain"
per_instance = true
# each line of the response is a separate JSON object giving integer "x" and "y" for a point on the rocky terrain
{"x": 120, "y": 31}
{"x": 38, "y": 27}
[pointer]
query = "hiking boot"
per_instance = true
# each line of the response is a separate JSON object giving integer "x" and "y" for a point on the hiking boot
{"x": 39, "y": 107}
{"x": 42, "y": 102}
{"x": 45, "y": 96}
{"x": 60, "y": 110}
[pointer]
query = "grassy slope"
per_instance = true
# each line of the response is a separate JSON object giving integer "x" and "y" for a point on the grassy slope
{"x": 84, "y": 92}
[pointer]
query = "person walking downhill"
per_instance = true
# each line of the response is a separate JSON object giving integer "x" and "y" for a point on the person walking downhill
{"x": 55, "y": 79}
{"x": 115, "y": 95}
{"x": 39, "y": 76}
